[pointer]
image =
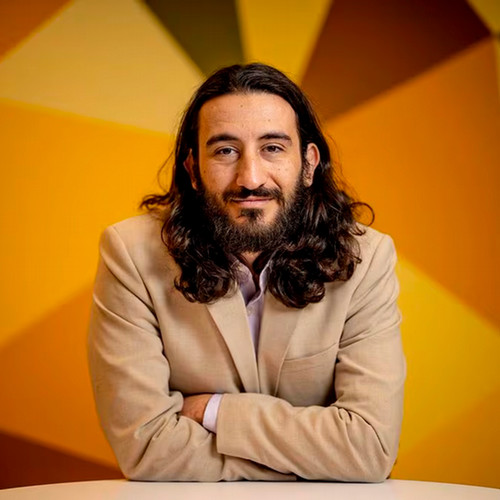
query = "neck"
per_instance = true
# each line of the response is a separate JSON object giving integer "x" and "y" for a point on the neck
{"x": 248, "y": 258}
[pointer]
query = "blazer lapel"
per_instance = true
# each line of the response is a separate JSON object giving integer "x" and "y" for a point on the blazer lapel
{"x": 278, "y": 324}
{"x": 230, "y": 316}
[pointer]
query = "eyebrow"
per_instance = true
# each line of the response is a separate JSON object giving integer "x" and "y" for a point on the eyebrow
{"x": 228, "y": 137}
{"x": 276, "y": 135}
{"x": 221, "y": 138}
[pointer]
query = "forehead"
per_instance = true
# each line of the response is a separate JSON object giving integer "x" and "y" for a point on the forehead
{"x": 247, "y": 114}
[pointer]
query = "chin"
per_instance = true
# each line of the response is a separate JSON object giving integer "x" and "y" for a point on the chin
{"x": 255, "y": 216}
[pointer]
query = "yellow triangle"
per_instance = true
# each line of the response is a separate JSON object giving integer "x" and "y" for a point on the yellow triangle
{"x": 109, "y": 60}
{"x": 281, "y": 33}
{"x": 465, "y": 450}
{"x": 452, "y": 355}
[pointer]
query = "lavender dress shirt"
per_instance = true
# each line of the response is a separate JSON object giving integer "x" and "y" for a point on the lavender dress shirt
{"x": 254, "y": 302}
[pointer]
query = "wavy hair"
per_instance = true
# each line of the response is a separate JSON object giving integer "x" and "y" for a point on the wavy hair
{"x": 322, "y": 249}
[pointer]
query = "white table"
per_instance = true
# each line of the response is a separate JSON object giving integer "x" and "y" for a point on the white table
{"x": 132, "y": 490}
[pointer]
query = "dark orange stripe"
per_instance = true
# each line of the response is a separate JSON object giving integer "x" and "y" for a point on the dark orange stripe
{"x": 367, "y": 47}
{"x": 26, "y": 463}
{"x": 19, "y": 19}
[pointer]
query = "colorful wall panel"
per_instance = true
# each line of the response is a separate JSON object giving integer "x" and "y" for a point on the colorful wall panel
{"x": 90, "y": 95}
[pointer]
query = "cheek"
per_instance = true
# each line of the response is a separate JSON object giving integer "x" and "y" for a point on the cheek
{"x": 287, "y": 179}
{"x": 215, "y": 180}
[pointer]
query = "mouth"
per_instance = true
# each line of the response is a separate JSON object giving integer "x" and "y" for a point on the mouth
{"x": 251, "y": 201}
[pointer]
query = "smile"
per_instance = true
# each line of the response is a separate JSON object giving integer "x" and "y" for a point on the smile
{"x": 251, "y": 202}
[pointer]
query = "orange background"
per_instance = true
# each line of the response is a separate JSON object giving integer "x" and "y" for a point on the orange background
{"x": 90, "y": 93}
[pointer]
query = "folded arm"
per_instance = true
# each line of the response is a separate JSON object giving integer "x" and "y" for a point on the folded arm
{"x": 354, "y": 439}
{"x": 140, "y": 414}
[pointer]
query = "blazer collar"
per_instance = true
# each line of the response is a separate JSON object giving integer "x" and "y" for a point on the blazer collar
{"x": 278, "y": 325}
{"x": 230, "y": 316}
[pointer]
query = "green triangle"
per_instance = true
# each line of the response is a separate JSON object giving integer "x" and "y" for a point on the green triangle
{"x": 207, "y": 30}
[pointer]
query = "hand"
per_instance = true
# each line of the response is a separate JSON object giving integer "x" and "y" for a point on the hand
{"x": 194, "y": 407}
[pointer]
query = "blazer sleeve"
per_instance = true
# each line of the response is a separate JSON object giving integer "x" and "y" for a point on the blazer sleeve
{"x": 356, "y": 438}
{"x": 130, "y": 377}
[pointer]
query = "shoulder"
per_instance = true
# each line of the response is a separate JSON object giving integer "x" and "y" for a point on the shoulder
{"x": 378, "y": 258}
{"x": 374, "y": 243}
{"x": 139, "y": 238}
{"x": 145, "y": 227}
{"x": 135, "y": 233}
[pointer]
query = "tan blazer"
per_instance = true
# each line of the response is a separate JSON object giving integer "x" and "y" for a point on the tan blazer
{"x": 323, "y": 399}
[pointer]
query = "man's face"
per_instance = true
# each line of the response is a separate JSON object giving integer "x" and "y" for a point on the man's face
{"x": 249, "y": 158}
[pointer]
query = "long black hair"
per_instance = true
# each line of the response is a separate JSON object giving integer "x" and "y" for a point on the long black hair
{"x": 323, "y": 250}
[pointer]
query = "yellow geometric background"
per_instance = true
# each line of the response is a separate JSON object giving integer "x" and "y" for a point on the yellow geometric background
{"x": 90, "y": 94}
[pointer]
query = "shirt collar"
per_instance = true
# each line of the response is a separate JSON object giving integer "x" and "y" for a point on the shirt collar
{"x": 247, "y": 283}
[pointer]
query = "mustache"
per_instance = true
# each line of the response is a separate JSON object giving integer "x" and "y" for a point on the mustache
{"x": 260, "y": 192}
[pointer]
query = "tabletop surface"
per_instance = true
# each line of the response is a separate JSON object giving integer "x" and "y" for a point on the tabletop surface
{"x": 133, "y": 490}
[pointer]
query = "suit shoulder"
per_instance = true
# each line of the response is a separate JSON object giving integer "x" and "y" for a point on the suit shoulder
{"x": 137, "y": 232}
{"x": 371, "y": 240}
{"x": 376, "y": 250}
{"x": 140, "y": 227}
{"x": 140, "y": 235}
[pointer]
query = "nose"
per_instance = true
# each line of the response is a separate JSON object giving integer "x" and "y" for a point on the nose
{"x": 251, "y": 173}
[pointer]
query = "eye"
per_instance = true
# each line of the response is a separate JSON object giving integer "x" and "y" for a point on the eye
{"x": 273, "y": 148}
{"x": 225, "y": 151}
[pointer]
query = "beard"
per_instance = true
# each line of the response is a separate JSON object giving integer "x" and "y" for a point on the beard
{"x": 253, "y": 235}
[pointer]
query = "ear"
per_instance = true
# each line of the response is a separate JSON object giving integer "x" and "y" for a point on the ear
{"x": 189, "y": 166}
{"x": 312, "y": 161}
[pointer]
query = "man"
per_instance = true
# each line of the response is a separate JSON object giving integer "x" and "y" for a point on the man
{"x": 246, "y": 327}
